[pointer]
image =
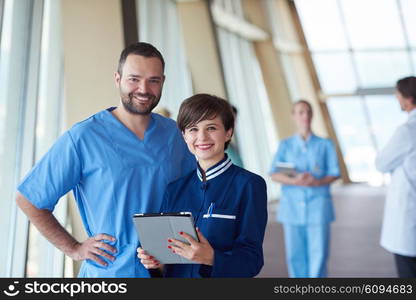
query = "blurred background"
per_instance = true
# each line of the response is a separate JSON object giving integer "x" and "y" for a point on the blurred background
{"x": 57, "y": 64}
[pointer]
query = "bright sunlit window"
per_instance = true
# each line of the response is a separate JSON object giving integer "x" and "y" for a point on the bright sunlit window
{"x": 360, "y": 48}
{"x": 30, "y": 99}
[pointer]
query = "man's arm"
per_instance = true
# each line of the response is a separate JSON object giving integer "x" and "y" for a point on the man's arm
{"x": 53, "y": 231}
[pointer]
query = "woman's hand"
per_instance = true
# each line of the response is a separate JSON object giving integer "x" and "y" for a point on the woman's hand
{"x": 303, "y": 179}
{"x": 307, "y": 179}
{"x": 200, "y": 252}
{"x": 148, "y": 261}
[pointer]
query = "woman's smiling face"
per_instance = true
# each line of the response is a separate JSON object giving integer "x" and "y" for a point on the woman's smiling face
{"x": 206, "y": 140}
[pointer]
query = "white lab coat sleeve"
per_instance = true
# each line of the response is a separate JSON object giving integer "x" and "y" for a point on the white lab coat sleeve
{"x": 395, "y": 151}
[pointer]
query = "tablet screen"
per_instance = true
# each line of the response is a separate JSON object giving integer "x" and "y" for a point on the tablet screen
{"x": 154, "y": 230}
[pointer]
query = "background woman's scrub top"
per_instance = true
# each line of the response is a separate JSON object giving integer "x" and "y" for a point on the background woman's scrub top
{"x": 307, "y": 205}
{"x": 113, "y": 175}
{"x": 230, "y": 209}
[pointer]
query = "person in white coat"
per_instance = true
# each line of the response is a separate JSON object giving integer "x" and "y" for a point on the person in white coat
{"x": 398, "y": 157}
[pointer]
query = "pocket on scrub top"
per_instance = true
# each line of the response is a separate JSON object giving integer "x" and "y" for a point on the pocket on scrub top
{"x": 219, "y": 216}
{"x": 220, "y": 227}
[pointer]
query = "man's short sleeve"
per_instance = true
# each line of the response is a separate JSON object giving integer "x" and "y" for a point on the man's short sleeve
{"x": 54, "y": 175}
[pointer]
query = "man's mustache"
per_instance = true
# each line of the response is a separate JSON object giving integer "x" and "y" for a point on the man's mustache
{"x": 147, "y": 95}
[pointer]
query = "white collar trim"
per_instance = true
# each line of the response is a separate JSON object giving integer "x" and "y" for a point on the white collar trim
{"x": 218, "y": 170}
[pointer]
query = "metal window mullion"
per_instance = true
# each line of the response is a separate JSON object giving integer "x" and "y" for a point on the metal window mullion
{"x": 62, "y": 213}
{"x": 14, "y": 67}
{"x": 406, "y": 37}
{"x": 373, "y": 138}
{"x": 349, "y": 44}
{"x": 1, "y": 15}
{"x": 12, "y": 60}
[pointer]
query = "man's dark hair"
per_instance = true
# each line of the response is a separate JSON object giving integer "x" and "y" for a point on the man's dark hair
{"x": 407, "y": 87}
{"x": 202, "y": 107}
{"x": 142, "y": 49}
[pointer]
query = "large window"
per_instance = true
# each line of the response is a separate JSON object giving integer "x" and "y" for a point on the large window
{"x": 14, "y": 65}
{"x": 360, "y": 48}
{"x": 30, "y": 98}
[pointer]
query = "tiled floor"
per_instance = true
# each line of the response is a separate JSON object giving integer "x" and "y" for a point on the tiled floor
{"x": 355, "y": 249}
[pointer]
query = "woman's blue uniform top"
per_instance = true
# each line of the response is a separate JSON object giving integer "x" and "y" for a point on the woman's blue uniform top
{"x": 230, "y": 208}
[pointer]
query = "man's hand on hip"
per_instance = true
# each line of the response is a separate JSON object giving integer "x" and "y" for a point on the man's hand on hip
{"x": 93, "y": 247}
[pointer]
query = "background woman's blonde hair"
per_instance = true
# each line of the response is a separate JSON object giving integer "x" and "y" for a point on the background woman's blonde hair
{"x": 302, "y": 101}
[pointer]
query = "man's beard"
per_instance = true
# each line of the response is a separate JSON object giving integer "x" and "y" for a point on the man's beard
{"x": 131, "y": 107}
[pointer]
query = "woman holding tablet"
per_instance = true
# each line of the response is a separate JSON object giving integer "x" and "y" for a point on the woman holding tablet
{"x": 229, "y": 204}
{"x": 305, "y": 207}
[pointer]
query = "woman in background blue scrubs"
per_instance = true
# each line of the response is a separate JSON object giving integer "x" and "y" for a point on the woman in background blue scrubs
{"x": 229, "y": 203}
{"x": 306, "y": 208}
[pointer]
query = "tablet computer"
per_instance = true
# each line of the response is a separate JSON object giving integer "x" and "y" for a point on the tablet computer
{"x": 286, "y": 168}
{"x": 155, "y": 229}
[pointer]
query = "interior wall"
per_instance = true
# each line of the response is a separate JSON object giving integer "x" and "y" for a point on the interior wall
{"x": 92, "y": 42}
{"x": 93, "y": 39}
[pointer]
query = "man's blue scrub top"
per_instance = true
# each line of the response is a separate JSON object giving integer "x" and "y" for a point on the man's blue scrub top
{"x": 307, "y": 205}
{"x": 230, "y": 209}
{"x": 113, "y": 175}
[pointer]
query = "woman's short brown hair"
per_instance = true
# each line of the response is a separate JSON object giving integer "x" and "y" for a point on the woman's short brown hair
{"x": 407, "y": 87}
{"x": 202, "y": 107}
